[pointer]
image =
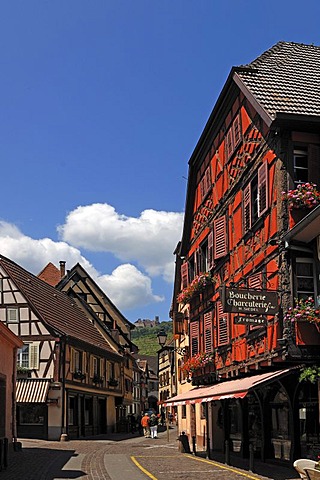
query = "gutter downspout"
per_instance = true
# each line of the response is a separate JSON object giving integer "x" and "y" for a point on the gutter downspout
{"x": 64, "y": 435}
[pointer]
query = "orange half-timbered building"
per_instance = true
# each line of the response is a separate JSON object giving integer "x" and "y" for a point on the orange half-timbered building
{"x": 248, "y": 264}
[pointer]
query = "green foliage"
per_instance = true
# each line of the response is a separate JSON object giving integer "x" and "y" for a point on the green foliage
{"x": 146, "y": 338}
{"x": 310, "y": 374}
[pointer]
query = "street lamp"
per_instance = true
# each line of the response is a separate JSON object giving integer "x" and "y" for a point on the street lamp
{"x": 162, "y": 339}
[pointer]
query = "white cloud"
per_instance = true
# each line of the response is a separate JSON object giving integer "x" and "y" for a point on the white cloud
{"x": 148, "y": 240}
{"x": 127, "y": 287}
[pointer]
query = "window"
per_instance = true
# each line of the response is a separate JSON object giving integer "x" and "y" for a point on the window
{"x": 32, "y": 414}
{"x": 12, "y": 315}
{"x": 300, "y": 165}
{"x": 306, "y": 164}
{"x": 183, "y": 411}
{"x": 305, "y": 278}
{"x": 28, "y": 356}
{"x": 255, "y": 197}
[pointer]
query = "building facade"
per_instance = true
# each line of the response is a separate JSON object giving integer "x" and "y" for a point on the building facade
{"x": 247, "y": 267}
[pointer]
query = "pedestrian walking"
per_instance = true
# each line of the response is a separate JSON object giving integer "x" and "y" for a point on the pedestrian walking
{"x": 154, "y": 426}
{"x": 145, "y": 422}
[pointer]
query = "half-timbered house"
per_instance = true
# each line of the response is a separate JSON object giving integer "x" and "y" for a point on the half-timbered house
{"x": 69, "y": 367}
{"x": 248, "y": 288}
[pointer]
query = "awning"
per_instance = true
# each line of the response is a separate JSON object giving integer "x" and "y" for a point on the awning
{"x": 307, "y": 229}
{"x": 230, "y": 389}
{"x": 32, "y": 390}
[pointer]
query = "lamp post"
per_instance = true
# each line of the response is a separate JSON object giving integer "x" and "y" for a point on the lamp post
{"x": 162, "y": 340}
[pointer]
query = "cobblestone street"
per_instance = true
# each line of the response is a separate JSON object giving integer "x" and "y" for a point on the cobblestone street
{"x": 121, "y": 456}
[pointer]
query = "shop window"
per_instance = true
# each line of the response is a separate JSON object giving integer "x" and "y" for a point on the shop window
{"x": 28, "y": 356}
{"x": 31, "y": 414}
{"x": 72, "y": 411}
{"x": 308, "y": 419}
{"x": 255, "y": 197}
{"x": 280, "y": 431}
{"x": 183, "y": 411}
{"x": 88, "y": 411}
{"x": 235, "y": 416}
{"x": 203, "y": 407}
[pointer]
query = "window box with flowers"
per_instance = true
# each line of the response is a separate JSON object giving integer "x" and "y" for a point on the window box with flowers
{"x": 197, "y": 285}
{"x": 304, "y": 311}
{"x": 301, "y": 200}
{"x": 201, "y": 360}
{"x": 113, "y": 382}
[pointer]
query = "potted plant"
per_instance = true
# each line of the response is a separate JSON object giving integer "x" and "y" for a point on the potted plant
{"x": 78, "y": 375}
{"x": 197, "y": 285}
{"x": 200, "y": 360}
{"x": 305, "y": 195}
{"x": 310, "y": 374}
{"x": 304, "y": 311}
{"x": 97, "y": 379}
{"x": 113, "y": 382}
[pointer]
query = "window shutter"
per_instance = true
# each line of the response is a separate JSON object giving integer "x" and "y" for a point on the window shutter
{"x": 178, "y": 323}
{"x": 262, "y": 189}
{"x": 236, "y": 131}
{"x": 202, "y": 188}
{"x": 34, "y": 356}
{"x": 207, "y": 327}
{"x": 229, "y": 143}
{"x": 220, "y": 237}
{"x": 92, "y": 366}
{"x": 210, "y": 250}
{"x": 194, "y": 338}
{"x": 207, "y": 177}
{"x": 223, "y": 328}
{"x": 84, "y": 362}
{"x": 247, "y": 208}
{"x": 72, "y": 360}
{"x": 255, "y": 281}
{"x": 184, "y": 275}
{"x": 313, "y": 164}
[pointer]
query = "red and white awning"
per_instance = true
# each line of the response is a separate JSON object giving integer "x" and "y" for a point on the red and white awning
{"x": 238, "y": 388}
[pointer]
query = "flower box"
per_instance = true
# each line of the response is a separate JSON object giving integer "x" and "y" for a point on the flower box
{"x": 198, "y": 284}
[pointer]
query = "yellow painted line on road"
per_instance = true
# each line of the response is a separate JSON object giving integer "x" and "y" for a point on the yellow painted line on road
{"x": 199, "y": 459}
{"x": 224, "y": 467}
{"x": 135, "y": 461}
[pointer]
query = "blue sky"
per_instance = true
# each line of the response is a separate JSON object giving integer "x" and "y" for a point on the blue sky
{"x": 102, "y": 104}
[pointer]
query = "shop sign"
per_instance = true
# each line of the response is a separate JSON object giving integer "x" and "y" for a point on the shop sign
{"x": 244, "y": 320}
{"x": 261, "y": 302}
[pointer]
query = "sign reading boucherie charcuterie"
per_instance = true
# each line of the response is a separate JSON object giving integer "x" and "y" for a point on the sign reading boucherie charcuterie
{"x": 236, "y": 300}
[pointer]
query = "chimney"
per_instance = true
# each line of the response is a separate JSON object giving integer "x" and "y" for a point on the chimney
{"x": 62, "y": 268}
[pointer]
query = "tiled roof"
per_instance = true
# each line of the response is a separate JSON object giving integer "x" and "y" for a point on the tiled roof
{"x": 285, "y": 78}
{"x": 50, "y": 274}
{"x": 55, "y": 308}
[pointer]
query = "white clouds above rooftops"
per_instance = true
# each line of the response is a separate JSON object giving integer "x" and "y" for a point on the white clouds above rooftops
{"x": 144, "y": 246}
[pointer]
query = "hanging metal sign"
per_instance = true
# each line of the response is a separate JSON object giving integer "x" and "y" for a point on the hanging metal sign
{"x": 245, "y": 320}
{"x": 261, "y": 302}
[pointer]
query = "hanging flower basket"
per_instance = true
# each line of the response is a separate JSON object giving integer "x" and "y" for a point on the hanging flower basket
{"x": 305, "y": 195}
{"x": 304, "y": 311}
{"x": 197, "y": 285}
{"x": 197, "y": 361}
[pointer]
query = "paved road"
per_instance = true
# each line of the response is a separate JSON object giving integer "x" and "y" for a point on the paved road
{"x": 124, "y": 456}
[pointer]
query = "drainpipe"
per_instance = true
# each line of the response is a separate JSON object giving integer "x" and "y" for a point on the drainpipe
{"x": 64, "y": 436}
{"x": 14, "y": 402}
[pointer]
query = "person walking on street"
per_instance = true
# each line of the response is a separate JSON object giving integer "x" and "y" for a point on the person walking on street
{"x": 145, "y": 422}
{"x": 154, "y": 426}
